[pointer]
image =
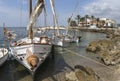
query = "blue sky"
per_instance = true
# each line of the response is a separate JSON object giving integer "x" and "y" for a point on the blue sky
{"x": 15, "y": 13}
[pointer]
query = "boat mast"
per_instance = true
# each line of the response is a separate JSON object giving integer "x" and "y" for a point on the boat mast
{"x": 30, "y": 35}
{"x": 4, "y": 33}
{"x": 71, "y": 17}
{"x": 54, "y": 16}
{"x": 30, "y": 8}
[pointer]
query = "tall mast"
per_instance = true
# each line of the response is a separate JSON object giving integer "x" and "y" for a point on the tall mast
{"x": 30, "y": 32}
{"x": 30, "y": 8}
{"x": 71, "y": 17}
{"x": 54, "y": 15}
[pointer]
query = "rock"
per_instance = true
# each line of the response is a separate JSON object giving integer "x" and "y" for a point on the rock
{"x": 111, "y": 57}
{"x": 117, "y": 70}
{"x": 93, "y": 46}
{"x": 108, "y": 49}
{"x": 81, "y": 73}
{"x": 71, "y": 76}
{"x": 97, "y": 46}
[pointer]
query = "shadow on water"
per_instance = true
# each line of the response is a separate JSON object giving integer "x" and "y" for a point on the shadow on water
{"x": 52, "y": 67}
{"x": 13, "y": 71}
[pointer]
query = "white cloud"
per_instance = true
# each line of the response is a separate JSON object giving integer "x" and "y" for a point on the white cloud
{"x": 104, "y": 8}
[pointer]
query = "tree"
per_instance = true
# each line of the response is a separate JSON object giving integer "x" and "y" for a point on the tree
{"x": 82, "y": 19}
{"x": 86, "y": 17}
{"x": 98, "y": 20}
{"x": 69, "y": 19}
{"x": 78, "y": 19}
{"x": 73, "y": 23}
{"x": 92, "y": 17}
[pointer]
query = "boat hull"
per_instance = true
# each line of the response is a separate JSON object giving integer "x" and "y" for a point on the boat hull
{"x": 4, "y": 57}
{"x": 60, "y": 42}
{"x": 42, "y": 51}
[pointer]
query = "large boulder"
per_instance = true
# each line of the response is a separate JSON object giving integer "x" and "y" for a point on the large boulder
{"x": 82, "y": 73}
{"x": 110, "y": 57}
{"x": 99, "y": 45}
{"x": 93, "y": 47}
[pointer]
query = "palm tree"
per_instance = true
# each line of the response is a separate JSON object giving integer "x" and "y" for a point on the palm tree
{"x": 98, "y": 20}
{"x": 78, "y": 19}
{"x": 82, "y": 19}
{"x": 73, "y": 23}
{"x": 92, "y": 17}
{"x": 86, "y": 17}
{"x": 69, "y": 19}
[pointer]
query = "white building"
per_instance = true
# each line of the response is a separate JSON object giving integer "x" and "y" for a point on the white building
{"x": 108, "y": 22}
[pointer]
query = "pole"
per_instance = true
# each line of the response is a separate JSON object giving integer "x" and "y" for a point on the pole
{"x": 4, "y": 34}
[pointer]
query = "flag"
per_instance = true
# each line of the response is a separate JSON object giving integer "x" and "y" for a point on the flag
{"x": 11, "y": 35}
{"x": 4, "y": 29}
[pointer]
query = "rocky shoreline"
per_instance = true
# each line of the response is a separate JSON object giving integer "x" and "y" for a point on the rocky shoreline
{"x": 108, "y": 49}
{"x": 101, "y": 30}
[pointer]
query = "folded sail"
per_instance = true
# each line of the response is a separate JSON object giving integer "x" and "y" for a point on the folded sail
{"x": 35, "y": 13}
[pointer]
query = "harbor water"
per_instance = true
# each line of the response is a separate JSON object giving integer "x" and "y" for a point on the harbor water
{"x": 54, "y": 69}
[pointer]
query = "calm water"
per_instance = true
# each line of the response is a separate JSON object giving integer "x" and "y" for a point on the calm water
{"x": 13, "y": 71}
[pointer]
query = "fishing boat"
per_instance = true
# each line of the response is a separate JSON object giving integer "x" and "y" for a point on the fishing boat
{"x": 32, "y": 51}
{"x": 61, "y": 39}
{"x": 3, "y": 55}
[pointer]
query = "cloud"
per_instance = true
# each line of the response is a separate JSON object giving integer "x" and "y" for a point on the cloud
{"x": 104, "y": 8}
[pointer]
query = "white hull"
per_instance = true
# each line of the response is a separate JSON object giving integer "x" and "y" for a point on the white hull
{"x": 60, "y": 42}
{"x": 3, "y": 57}
{"x": 42, "y": 51}
{"x": 64, "y": 40}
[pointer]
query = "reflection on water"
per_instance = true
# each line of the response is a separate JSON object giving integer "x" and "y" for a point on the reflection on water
{"x": 13, "y": 71}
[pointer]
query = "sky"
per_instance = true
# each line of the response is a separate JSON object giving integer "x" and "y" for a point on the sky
{"x": 15, "y": 13}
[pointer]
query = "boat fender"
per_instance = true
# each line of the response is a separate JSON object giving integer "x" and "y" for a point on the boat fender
{"x": 32, "y": 60}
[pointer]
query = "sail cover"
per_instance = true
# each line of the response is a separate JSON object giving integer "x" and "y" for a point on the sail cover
{"x": 35, "y": 13}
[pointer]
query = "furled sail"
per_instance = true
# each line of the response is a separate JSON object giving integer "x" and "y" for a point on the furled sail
{"x": 35, "y": 13}
{"x": 54, "y": 15}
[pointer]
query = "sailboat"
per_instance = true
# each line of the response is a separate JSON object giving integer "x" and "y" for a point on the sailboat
{"x": 32, "y": 51}
{"x": 3, "y": 55}
{"x": 72, "y": 38}
{"x": 3, "y": 51}
{"x": 59, "y": 39}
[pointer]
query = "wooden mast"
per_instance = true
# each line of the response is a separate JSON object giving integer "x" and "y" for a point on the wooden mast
{"x": 31, "y": 29}
{"x": 4, "y": 33}
{"x": 30, "y": 8}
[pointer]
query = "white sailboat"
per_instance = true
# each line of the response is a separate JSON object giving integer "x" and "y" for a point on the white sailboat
{"x": 3, "y": 55}
{"x": 72, "y": 38}
{"x": 3, "y": 51}
{"x": 62, "y": 40}
{"x": 32, "y": 51}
